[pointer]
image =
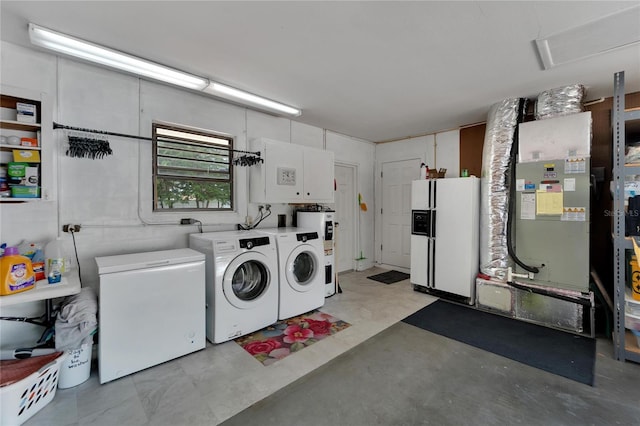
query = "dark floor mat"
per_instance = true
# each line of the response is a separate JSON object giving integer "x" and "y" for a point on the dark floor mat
{"x": 389, "y": 277}
{"x": 555, "y": 351}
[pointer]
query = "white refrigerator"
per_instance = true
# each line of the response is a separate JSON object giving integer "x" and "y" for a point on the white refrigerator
{"x": 445, "y": 220}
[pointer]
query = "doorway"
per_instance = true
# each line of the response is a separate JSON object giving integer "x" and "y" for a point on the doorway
{"x": 345, "y": 217}
{"x": 396, "y": 211}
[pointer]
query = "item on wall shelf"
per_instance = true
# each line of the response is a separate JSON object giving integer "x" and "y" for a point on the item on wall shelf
{"x": 13, "y": 140}
{"x": 16, "y": 272}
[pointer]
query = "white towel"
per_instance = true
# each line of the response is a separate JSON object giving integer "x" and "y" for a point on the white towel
{"x": 77, "y": 319}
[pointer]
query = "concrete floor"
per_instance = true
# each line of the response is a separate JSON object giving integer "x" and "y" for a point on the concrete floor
{"x": 377, "y": 371}
{"x": 211, "y": 385}
{"x": 408, "y": 376}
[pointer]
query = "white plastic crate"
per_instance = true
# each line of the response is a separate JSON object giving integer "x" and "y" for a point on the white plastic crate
{"x": 21, "y": 400}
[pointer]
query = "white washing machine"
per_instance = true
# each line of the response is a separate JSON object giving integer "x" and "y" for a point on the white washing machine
{"x": 301, "y": 269}
{"x": 241, "y": 282}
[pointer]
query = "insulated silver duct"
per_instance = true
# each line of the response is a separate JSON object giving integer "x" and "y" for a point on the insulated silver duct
{"x": 494, "y": 195}
{"x": 560, "y": 101}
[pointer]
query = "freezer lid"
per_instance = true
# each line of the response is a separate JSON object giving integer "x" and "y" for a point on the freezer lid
{"x": 134, "y": 261}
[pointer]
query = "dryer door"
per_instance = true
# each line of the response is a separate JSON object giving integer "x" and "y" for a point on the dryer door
{"x": 246, "y": 280}
{"x": 302, "y": 267}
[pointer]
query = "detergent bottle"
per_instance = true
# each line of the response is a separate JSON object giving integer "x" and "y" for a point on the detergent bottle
{"x": 16, "y": 272}
{"x": 56, "y": 262}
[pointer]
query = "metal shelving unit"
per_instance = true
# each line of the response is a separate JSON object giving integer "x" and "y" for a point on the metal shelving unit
{"x": 623, "y": 340}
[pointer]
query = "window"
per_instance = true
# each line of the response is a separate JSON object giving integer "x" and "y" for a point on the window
{"x": 192, "y": 169}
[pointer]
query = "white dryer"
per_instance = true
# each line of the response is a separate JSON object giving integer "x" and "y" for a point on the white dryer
{"x": 241, "y": 282}
{"x": 301, "y": 269}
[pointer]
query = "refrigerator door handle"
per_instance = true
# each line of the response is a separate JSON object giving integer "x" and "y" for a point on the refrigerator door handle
{"x": 432, "y": 227}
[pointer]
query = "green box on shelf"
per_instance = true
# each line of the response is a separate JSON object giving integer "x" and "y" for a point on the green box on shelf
{"x": 17, "y": 170}
{"x": 23, "y": 191}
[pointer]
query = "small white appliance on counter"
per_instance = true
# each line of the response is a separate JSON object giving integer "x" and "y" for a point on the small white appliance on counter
{"x": 301, "y": 270}
{"x": 151, "y": 309}
{"x": 445, "y": 220}
{"x": 322, "y": 222}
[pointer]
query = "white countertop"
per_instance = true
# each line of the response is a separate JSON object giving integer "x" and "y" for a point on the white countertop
{"x": 69, "y": 284}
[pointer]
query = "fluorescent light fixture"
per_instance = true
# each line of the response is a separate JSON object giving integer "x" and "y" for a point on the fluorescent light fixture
{"x": 615, "y": 31}
{"x": 92, "y": 52}
{"x": 72, "y": 46}
{"x": 233, "y": 94}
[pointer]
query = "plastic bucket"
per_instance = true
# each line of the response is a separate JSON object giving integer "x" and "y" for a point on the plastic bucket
{"x": 76, "y": 368}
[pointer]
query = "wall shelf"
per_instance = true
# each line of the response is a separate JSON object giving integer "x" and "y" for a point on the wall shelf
{"x": 6, "y": 147}
{"x": 19, "y": 125}
{"x": 40, "y": 130}
{"x": 625, "y": 345}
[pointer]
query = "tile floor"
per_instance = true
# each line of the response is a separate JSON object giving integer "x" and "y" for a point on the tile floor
{"x": 211, "y": 385}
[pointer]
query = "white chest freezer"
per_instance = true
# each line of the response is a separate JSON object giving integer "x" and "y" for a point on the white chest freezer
{"x": 151, "y": 309}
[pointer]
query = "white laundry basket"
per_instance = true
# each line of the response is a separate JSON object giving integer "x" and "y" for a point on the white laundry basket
{"x": 21, "y": 400}
{"x": 77, "y": 367}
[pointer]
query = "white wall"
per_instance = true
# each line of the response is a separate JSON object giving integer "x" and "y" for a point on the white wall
{"x": 448, "y": 152}
{"x": 111, "y": 197}
{"x": 440, "y": 150}
{"x": 359, "y": 153}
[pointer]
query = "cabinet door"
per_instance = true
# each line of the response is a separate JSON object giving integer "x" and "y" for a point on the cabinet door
{"x": 318, "y": 175}
{"x": 283, "y": 172}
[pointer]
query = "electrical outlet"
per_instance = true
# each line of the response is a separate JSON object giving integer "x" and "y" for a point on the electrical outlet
{"x": 71, "y": 228}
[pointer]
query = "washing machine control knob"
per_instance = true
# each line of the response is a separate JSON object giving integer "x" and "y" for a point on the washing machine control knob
{"x": 304, "y": 238}
{"x": 249, "y": 245}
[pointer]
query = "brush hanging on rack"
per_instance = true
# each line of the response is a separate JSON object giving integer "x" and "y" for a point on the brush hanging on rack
{"x": 83, "y": 146}
{"x": 248, "y": 160}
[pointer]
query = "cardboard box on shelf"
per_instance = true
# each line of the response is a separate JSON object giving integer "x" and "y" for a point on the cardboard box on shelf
{"x": 31, "y": 176}
{"x": 33, "y": 142}
{"x": 23, "y": 191}
{"x": 16, "y": 170}
{"x": 26, "y": 113}
{"x": 26, "y": 156}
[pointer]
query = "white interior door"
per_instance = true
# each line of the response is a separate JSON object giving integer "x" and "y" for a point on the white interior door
{"x": 346, "y": 203}
{"x": 396, "y": 211}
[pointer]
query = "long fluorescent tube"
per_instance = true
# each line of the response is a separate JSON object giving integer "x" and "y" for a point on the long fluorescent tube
{"x": 233, "y": 94}
{"x": 92, "y": 52}
{"x": 59, "y": 42}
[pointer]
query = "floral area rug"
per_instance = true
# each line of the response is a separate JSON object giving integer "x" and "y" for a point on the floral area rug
{"x": 291, "y": 335}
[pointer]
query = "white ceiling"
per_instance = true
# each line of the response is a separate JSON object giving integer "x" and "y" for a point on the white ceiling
{"x": 374, "y": 70}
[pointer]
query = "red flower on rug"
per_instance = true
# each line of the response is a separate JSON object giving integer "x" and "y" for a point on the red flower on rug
{"x": 262, "y": 346}
{"x": 285, "y": 337}
{"x": 319, "y": 328}
{"x": 296, "y": 334}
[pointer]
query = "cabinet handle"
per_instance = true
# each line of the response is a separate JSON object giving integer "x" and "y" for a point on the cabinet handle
{"x": 308, "y": 193}
{"x": 297, "y": 193}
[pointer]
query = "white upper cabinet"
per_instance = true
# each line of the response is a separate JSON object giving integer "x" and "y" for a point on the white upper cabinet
{"x": 291, "y": 174}
{"x": 318, "y": 176}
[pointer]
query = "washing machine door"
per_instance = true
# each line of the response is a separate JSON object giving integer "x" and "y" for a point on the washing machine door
{"x": 246, "y": 280}
{"x": 302, "y": 268}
